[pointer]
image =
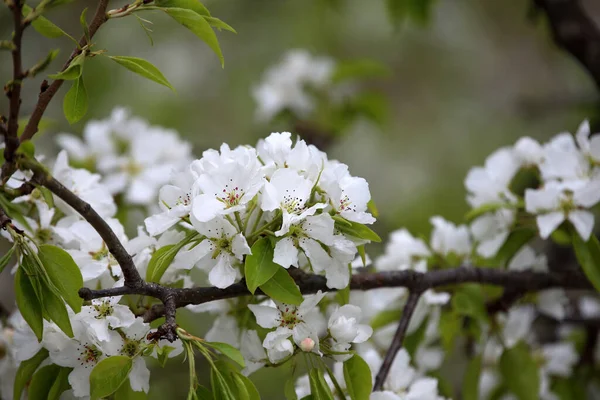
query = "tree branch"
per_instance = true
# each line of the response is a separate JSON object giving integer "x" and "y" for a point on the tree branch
{"x": 13, "y": 91}
{"x": 46, "y": 95}
{"x": 396, "y": 345}
{"x": 575, "y": 32}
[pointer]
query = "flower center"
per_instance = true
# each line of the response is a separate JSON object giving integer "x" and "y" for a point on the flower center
{"x": 89, "y": 354}
{"x": 291, "y": 203}
{"x": 289, "y": 316}
{"x": 130, "y": 348}
{"x": 185, "y": 200}
{"x": 104, "y": 310}
{"x": 43, "y": 235}
{"x": 346, "y": 204}
{"x": 230, "y": 196}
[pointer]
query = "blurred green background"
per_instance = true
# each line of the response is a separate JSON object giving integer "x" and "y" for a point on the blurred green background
{"x": 478, "y": 75}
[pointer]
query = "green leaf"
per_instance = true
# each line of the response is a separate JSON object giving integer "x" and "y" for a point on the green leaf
{"x": 359, "y": 69}
{"x": 84, "y": 26}
{"x": 125, "y": 392}
{"x": 217, "y": 23}
{"x": 147, "y": 30}
{"x": 143, "y": 68}
{"x": 42, "y": 65}
{"x": 73, "y": 71}
{"x": 63, "y": 273}
{"x": 343, "y": 295}
{"x": 520, "y": 372}
{"x": 27, "y": 148}
{"x": 193, "y": 5}
{"x": 61, "y": 384}
{"x": 248, "y": 384}
{"x": 373, "y": 208}
{"x": 108, "y": 376}
{"x": 203, "y": 393}
{"x": 318, "y": 386}
{"x": 363, "y": 254}
{"x": 25, "y": 372}
{"x": 28, "y": 302}
{"x": 42, "y": 382}
{"x": 384, "y": 318}
{"x": 259, "y": 266}
{"x": 357, "y": 375}
{"x": 6, "y": 258}
{"x": 75, "y": 104}
{"x": 56, "y": 310}
{"x": 357, "y": 230}
{"x": 516, "y": 240}
{"x": 483, "y": 209}
{"x": 199, "y": 26}
{"x": 160, "y": 261}
{"x": 449, "y": 328}
{"x": 283, "y": 288}
{"x": 290, "y": 389}
{"x": 470, "y": 387}
{"x": 43, "y": 26}
{"x": 469, "y": 301}
{"x": 222, "y": 389}
{"x": 47, "y": 195}
{"x": 588, "y": 255}
{"x": 163, "y": 354}
{"x": 229, "y": 351}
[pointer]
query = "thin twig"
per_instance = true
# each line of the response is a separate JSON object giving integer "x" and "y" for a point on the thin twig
{"x": 46, "y": 95}
{"x": 396, "y": 345}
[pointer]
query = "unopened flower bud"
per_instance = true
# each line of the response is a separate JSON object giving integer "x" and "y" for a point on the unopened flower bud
{"x": 307, "y": 344}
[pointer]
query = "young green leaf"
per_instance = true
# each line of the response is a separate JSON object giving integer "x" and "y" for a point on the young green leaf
{"x": 125, "y": 392}
{"x": 160, "y": 261}
{"x": 84, "y": 26}
{"x": 248, "y": 384}
{"x": 6, "y": 258}
{"x": 73, "y": 71}
{"x": 143, "y": 68}
{"x": 203, "y": 393}
{"x": 25, "y": 372}
{"x": 357, "y": 230}
{"x": 290, "y": 389}
{"x": 199, "y": 26}
{"x": 27, "y": 148}
{"x": 193, "y": 5}
{"x": 56, "y": 310}
{"x": 363, "y": 254}
{"x": 75, "y": 104}
{"x": 43, "y": 26}
{"x": 47, "y": 196}
{"x": 28, "y": 302}
{"x": 470, "y": 387}
{"x": 229, "y": 351}
{"x": 385, "y": 317}
{"x": 163, "y": 354}
{"x": 588, "y": 255}
{"x": 42, "y": 382}
{"x": 283, "y": 288}
{"x": 259, "y": 266}
{"x": 42, "y": 65}
{"x": 63, "y": 273}
{"x": 520, "y": 372}
{"x": 469, "y": 301}
{"x": 319, "y": 389}
{"x": 217, "y": 23}
{"x": 146, "y": 29}
{"x": 61, "y": 384}
{"x": 359, "y": 69}
{"x": 221, "y": 387}
{"x": 108, "y": 376}
{"x": 357, "y": 375}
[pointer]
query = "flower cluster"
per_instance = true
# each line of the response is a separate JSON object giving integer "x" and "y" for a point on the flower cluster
{"x": 291, "y": 193}
{"x": 286, "y": 86}
{"x": 134, "y": 158}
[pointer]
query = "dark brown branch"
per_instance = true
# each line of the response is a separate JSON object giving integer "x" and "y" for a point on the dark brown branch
{"x": 575, "y": 32}
{"x": 525, "y": 281}
{"x": 133, "y": 279}
{"x": 46, "y": 96}
{"x": 13, "y": 91}
{"x": 396, "y": 345}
